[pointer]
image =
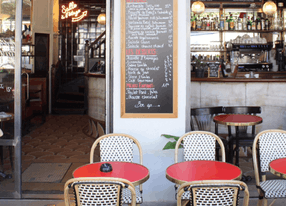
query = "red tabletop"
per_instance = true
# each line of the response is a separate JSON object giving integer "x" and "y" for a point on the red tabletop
{"x": 278, "y": 167}
{"x": 135, "y": 173}
{"x": 237, "y": 119}
{"x": 182, "y": 172}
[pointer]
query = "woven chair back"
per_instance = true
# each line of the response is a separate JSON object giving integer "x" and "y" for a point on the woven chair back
{"x": 272, "y": 145}
{"x": 98, "y": 191}
{"x": 199, "y": 145}
{"x": 219, "y": 193}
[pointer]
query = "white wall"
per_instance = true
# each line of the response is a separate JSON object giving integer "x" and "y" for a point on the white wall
{"x": 148, "y": 131}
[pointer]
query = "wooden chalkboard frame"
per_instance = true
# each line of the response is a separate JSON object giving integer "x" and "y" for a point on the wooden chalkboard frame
{"x": 174, "y": 114}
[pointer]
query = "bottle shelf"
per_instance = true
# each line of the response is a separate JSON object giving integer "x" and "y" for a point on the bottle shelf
{"x": 244, "y": 31}
{"x": 207, "y": 50}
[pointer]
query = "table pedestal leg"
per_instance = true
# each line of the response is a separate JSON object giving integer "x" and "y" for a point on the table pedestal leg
{"x": 230, "y": 146}
{"x": 237, "y": 146}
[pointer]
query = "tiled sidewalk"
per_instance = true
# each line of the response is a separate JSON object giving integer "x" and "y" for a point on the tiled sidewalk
{"x": 59, "y": 140}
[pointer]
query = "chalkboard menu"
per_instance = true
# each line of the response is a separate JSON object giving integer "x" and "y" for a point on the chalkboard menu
{"x": 149, "y": 58}
{"x": 214, "y": 70}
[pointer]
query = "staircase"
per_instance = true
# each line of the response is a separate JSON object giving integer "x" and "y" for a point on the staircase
{"x": 70, "y": 98}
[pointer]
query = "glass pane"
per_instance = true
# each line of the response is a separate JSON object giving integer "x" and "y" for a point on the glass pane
{"x": 9, "y": 154}
{"x": 7, "y": 66}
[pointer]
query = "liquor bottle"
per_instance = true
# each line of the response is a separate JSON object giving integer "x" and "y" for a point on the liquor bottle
{"x": 204, "y": 24}
{"x": 193, "y": 22}
{"x": 267, "y": 23}
{"x": 248, "y": 24}
{"x": 275, "y": 23}
{"x": 253, "y": 27}
{"x": 244, "y": 22}
{"x": 208, "y": 23}
{"x": 236, "y": 23}
{"x": 226, "y": 23}
{"x": 262, "y": 23}
{"x": 239, "y": 24}
{"x": 212, "y": 23}
{"x": 199, "y": 23}
{"x": 216, "y": 23}
{"x": 258, "y": 22}
{"x": 221, "y": 22}
{"x": 231, "y": 22}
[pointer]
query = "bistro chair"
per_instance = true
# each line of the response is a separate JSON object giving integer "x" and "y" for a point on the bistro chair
{"x": 201, "y": 120}
{"x": 100, "y": 191}
{"x": 198, "y": 145}
{"x": 268, "y": 145}
{"x": 119, "y": 147}
{"x": 213, "y": 192}
{"x": 245, "y": 138}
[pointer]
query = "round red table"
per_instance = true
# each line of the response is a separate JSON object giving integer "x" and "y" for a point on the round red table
{"x": 182, "y": 172}
{"x": 237, "y": 120}
{"x": 278, "y": 167}
{"x": 135, "y": 173}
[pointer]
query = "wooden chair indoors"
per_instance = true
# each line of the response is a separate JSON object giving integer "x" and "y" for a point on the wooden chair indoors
{"x": 202, "y": 118}
{"x": 198, "y": 145}
{"x": 245, "y": 138}
{"x": 119, "y": 147}
{"x": 214, "y": 192}
{"x": 98, "y": 191}
{"x": 100, "y": 129}
{"x": 268, "y": 145}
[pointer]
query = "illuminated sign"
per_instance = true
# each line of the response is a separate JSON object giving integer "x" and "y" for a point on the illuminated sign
{"x": 73, "y": 11}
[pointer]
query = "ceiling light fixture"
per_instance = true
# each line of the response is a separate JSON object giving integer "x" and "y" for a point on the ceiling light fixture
{"x": 198, "y": 7}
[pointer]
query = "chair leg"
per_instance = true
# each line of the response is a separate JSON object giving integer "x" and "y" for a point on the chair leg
{"x": 262, "y": 202}
{"x": 259, "y": 202}
{"x": 11, "y": 157}
{"x": 2, "y": 158}
{"x": 217, "y": 154}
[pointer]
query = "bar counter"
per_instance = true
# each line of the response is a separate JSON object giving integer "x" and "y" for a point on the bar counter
{"x": 95, "y": 82}
{"x": 263, "y": 77}
{"x": 268, "y": 92}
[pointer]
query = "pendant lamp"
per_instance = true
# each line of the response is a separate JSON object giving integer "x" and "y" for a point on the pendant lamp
{"x": 269, "y": 8}
{"x": 198, "y": 7}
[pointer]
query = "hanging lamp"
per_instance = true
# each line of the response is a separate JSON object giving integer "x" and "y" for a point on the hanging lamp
{"x": 269, "y": 8}
{"x": 101, "y": 19}
{"x": 198, "y": 7}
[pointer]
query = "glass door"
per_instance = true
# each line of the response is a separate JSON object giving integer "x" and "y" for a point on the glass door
{"x": 11, "y": 102}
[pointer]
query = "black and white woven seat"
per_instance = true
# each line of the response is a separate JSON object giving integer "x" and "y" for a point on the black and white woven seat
{"x": 213, "y": 192}
{"x": 202, "y": 119}
{"x": 268, "y": 145}
{"x": 119, "y": 147}
{"x": 198, "y": 145}
{"x": 98, "y": 191}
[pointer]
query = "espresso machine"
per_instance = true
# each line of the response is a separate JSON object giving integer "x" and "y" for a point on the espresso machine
{"x": 280, "y": 55}
{"x": 251, "y": 57}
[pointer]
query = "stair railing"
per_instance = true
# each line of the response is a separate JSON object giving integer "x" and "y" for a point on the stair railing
{"x": 91, "y": 48}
